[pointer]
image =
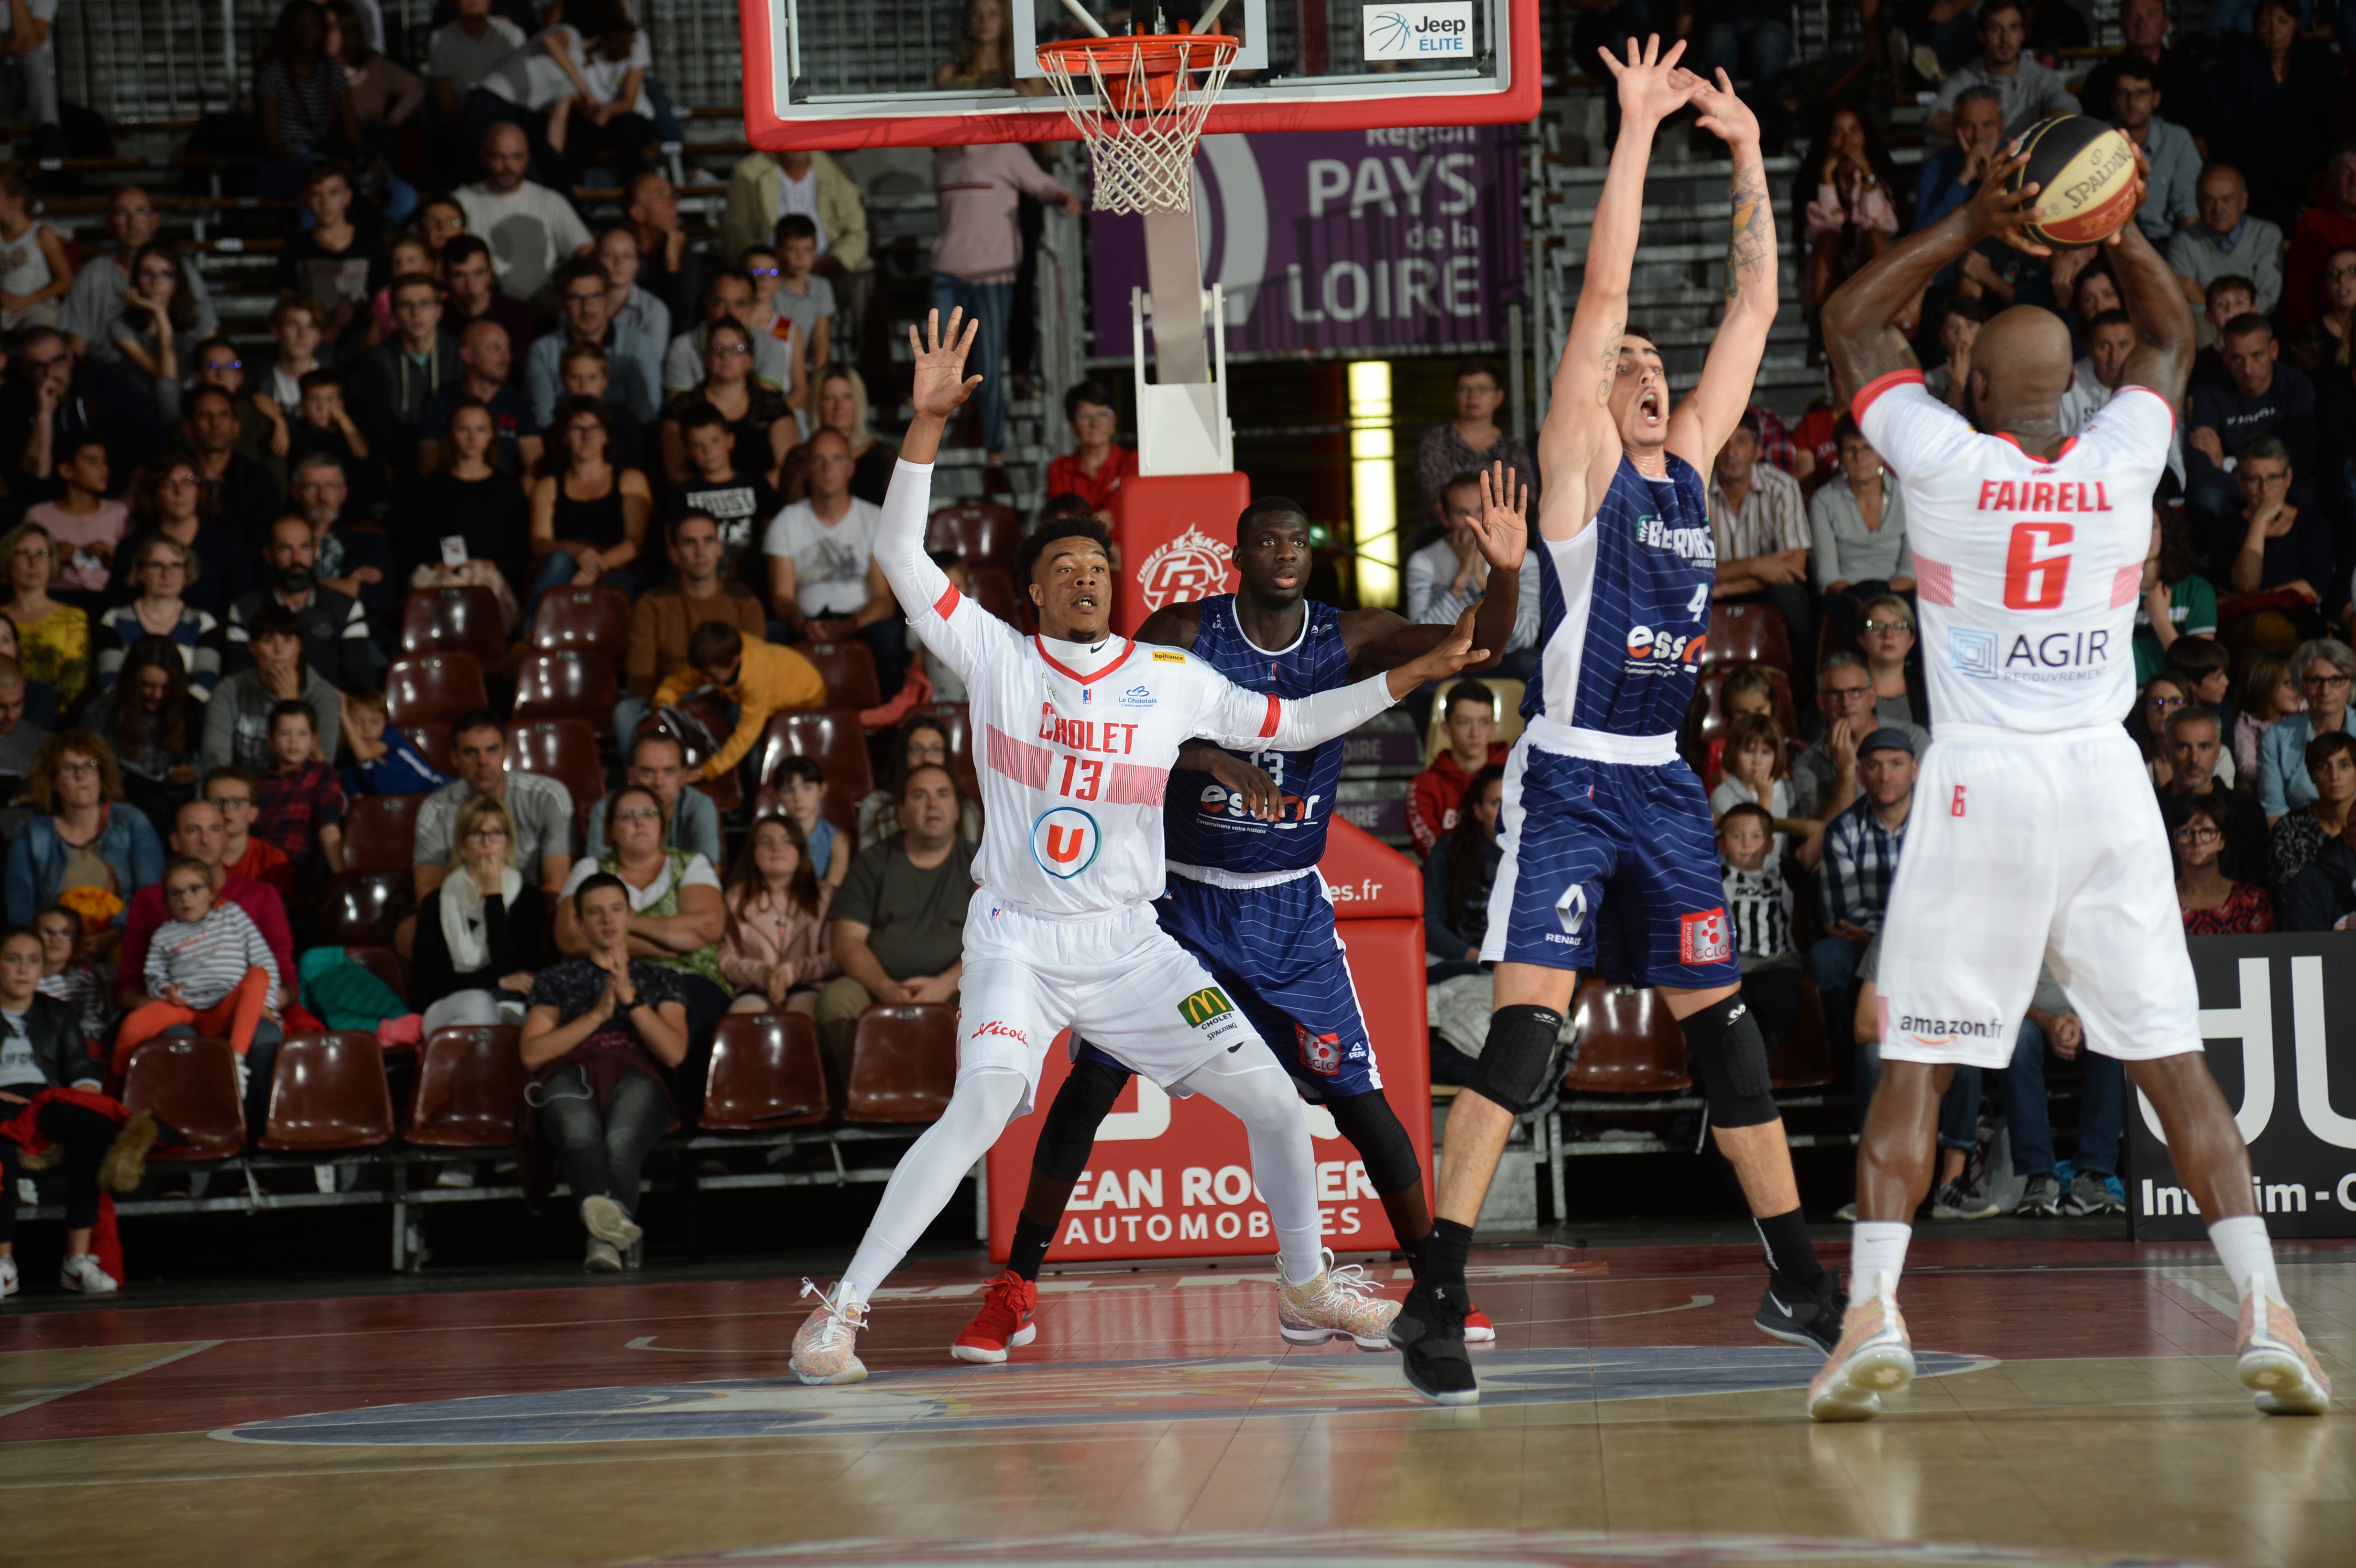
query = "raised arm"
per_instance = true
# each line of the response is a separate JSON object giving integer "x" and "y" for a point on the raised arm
{"x": 1579, "y": 446}
{"x": 2165, "y": 340}
{"x": 1860, "y": 316}
{"x": 941, "y": 387}
{"x": 1379, "y": 641}
{"x": 1234, "y": 717}
{"x": 1708, "y": 416}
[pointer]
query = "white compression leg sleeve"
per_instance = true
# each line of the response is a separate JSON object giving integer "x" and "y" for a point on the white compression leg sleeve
{"x": 927, "y": 1175}
{"x": 1249, "y": 1083}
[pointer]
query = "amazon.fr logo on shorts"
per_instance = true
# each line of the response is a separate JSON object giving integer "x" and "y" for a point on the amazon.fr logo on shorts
{"x": 1703, "y": 938}
{"x": 1204, "y": 1006}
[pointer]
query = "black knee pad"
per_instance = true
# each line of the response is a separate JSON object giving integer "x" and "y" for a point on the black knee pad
{"x": 1069, "y": 1132}
{"x": 1520, "y": 1066}
{"x": 1375, "y": 1130}
{"x": 1729, "y": 1054}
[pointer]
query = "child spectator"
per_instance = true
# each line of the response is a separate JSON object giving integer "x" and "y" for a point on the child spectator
{"x": 208, "y": 966}
{"x": 2180, "y": 604}
{"x": 298, "y": 804}
{"x": 378, "y": 758}
{"x": 335, "y": 263}
{"x": 2208, "y": 668}
{"x": 583, "y": 371}
{"x": 760, "y": 677}
{"x": 766, "y": 269}
{"x": 739, "y": 504}
{"x": 1456, "y": 879}
{"x": 85, "y": 987}
{"x": 663, "y": 622}
{"x": 232, "y": 793}
{"x": 1095, "y": 470}
{"x": 84, "y": 525}
{"x": 1759, "y": 904}
{"x": 775, "y": 949}
{"x": 411, "y": 257}
{"x": 801, "y": 794}
{"x": 297, "y": 328}
{"x": 2227, "y": 298}
{"x": 1468, "y": 721}
{"x": 1759, "y": 773}
{"x": 42, "y": 1048}
{"x": 1749, "y": 691}
{"x": 323, "y": 426}
{"x": 35, "y": 273}
{"x": 156, "y": 332}
{"x": 802, "y": 298}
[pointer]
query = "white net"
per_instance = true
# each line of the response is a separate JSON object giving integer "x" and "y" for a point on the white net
{"x": 1141, "y": 122}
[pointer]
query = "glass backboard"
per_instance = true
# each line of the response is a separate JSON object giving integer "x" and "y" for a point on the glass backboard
{"x": 873, "y": 73}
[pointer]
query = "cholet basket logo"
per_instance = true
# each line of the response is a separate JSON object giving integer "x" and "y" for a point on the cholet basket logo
{"x": 1191, "y": 566}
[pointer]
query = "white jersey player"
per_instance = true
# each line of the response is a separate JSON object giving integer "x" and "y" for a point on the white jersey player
{"x": 2035, "y": 835}
{"x": 1076, "y": 731}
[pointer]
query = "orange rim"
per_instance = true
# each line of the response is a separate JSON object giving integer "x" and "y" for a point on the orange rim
{"x": 1155, "y": 54}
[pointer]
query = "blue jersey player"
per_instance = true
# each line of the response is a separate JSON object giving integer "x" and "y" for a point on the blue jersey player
{"x": 1608, "y": 857}
{"x": 1244, "y": 833}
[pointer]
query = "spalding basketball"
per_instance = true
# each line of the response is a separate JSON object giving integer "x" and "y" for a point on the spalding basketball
{"x": 2084, "y": 172}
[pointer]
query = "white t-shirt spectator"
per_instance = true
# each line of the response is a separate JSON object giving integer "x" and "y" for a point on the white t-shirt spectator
{"x": 531, "y": 230}
{"x": 604, "y": 76}
{"x": 464, "y": 62}
{"x": 830, "y": 562}
{"x": 698, "y": 874}
{"x": 683, "y": 368}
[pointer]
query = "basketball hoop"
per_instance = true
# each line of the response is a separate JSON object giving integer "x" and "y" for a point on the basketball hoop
{"x": 1141, "y": 111}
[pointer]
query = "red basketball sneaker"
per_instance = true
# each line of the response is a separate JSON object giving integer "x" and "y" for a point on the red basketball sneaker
{"x": 1478, "y": 1330}
{"x": 1003, "y": 1322}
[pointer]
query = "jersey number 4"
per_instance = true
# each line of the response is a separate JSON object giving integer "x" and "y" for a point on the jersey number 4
{"x": 2037, "y": 566}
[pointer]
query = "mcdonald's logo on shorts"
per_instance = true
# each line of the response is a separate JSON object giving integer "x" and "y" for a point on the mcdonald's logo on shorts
{"x": 1204, "y": 1005}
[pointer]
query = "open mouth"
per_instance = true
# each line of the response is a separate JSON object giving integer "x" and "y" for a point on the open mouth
{"x": 1648, "y": 406}
{"x": 1086, "y": 599}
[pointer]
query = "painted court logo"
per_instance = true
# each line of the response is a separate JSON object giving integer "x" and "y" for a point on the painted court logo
{"x": 1204, "y": 1006}
{"x": 1191, "y": 566}
{"x": 1065, "y": 841}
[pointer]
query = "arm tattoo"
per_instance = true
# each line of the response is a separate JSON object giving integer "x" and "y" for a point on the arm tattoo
{"x": 1610, "y": 364}
{"x": 1752, "y": 242}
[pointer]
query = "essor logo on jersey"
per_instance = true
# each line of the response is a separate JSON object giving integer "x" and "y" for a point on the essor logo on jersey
{"x": 1702, "y": 937}
{"x": 1687, "y": 544}
{"x": 1003, "y": 1031}
{"x": 1191, "y": 566}
{"x": 1204, "y": 1006}
{"x": 1322, "y": 1053}
{"x": 1665, "y": 648}
{"x": 1946, "y": 1031}
{"x": 1065, "y": 841}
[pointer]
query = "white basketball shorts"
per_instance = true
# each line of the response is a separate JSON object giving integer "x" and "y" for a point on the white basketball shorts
{"x": 2026, "y": 847}
{"x": 1119, "y": 979}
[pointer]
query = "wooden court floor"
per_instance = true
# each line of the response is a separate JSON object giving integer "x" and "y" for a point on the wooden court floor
{"x": 2081, "y": 1410}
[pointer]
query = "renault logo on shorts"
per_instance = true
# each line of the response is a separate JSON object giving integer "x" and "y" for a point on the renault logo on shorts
{"x": 1065, "y": 841}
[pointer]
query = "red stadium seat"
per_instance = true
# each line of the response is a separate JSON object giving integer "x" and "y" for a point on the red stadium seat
{"x": 565, "y": 750}
{"x": 433, "y": 739}
{"x": 1629, "y": 1043}
{"x": 191, "y": 1086}
{"x": 385, "y": 965}
{"x": 994, "y": 591}
{"x": 1747, "y": 634}
{"x": 380, "y": 832}
{"x": 983, "y": 533}
{"x": 766, "y": 1075}
{"x": 1715, "y": 722}
{"x": 571, "y": 683}
{"x": 594, "y": 617}
{"x": 1804, "y": 1059}
{"x": 454, "y": 621}
{"x": 469, "y": 1081}
{"x": 903, "y": 1063}
{"x": 359, "y": 909}
{"x": 423, "y": 686}
{"x": 832, "y": 736}
{"x": 329, "y": 1092}
{"x": 849, "y": 670}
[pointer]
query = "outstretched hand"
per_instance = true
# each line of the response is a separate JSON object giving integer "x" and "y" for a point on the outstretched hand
{"x": 1723, "y": 114}
{"x": 1443, "y": 661}
{"x": 1652, "y": 88}
{"x": 941, "y": 385}
{"x": 1502, "y": 529}
{"x": 2000, "y": 214}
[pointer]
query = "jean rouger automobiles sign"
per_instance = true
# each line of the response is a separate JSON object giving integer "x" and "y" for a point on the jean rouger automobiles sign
{"x": 2279, "y": 1014}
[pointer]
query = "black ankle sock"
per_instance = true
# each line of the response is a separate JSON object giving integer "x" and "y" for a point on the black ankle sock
{"x": 1789, "y": 1251}
{"x": 1416, "y": 1248}
{"x": 1444, "y": 1252}
{"x": 1029, "y": 1250}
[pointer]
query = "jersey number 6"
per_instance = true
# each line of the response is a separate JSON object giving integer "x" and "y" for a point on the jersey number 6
{"x": 2036, "y": 567}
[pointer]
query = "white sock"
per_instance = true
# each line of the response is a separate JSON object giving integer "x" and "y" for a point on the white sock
{"x": 926, "y": 1176}
{"x": 1877, "y": 1256}
{"x": 1249, "y": 1085}
{"x": 2248, "y": 1255}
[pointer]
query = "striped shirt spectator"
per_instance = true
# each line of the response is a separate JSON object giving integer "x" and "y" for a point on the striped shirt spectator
{"x": 1760, "y": 904}
{"x": 1861, "y": 844}
{"x": 1771, "y": 519}
{"x": 207, "y": 959}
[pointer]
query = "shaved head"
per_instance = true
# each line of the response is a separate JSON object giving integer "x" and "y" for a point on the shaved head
{"x": 2020, "y": 367}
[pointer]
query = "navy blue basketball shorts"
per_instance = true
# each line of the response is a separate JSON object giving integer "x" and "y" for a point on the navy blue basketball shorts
{"x": 1610, "y": 866}
{"x": 1276, "y": 951}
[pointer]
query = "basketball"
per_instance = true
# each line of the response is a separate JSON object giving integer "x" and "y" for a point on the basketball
{"x": 2084, "y": 172}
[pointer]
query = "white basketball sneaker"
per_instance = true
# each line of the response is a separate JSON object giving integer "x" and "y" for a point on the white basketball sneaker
{"x": 1873, "y": 1358}
{"x": 823, "y": 1350}
{"x": 2276, "y": 1366}
{"x": 1337, "y": 1304}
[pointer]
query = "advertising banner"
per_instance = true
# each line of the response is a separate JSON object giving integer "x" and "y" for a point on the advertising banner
{"x": 1172, "y": 1178}
{"x": 2279, "y": 1014}
{"x": 1336, "y": 240}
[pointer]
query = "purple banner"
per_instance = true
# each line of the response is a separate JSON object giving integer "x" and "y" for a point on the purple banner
{"x": 1403, "y": 238}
